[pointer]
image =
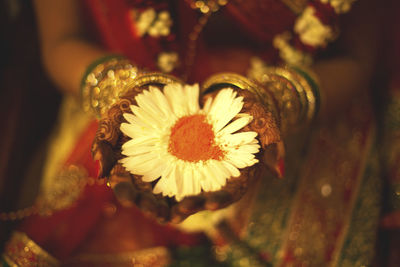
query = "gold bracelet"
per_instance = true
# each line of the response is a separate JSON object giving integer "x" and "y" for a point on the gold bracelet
{"x": 105, "y": 81}
{"x": 295, "y": 90}
{"x": 238, "y": 81}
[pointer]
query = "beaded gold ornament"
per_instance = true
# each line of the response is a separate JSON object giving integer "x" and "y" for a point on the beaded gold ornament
{"x": 207, "y": 6}
{"x": 313, "y": 29}
{"x": 105, "y": 81}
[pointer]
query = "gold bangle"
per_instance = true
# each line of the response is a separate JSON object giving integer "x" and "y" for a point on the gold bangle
{"x": 105, "y": 82}
{"x": 152, "y": 78}
{"x": 110, "y": 79}
{"x": 240, "y": 82}
{"x": 295, "y": 90}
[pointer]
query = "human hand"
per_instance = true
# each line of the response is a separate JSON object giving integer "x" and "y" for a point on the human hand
{"x": 130, "y": 189}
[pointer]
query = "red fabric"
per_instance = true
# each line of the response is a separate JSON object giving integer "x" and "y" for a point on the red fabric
{"x": 64, "y": 230}
{"x": 262, "y": 18}
{"x": 117, "y": 31}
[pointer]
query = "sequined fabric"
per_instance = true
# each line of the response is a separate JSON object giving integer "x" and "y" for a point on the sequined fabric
{"x": 325, "y": 211}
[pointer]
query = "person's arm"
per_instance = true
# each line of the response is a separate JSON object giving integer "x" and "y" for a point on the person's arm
{"x": 66, "y": 53}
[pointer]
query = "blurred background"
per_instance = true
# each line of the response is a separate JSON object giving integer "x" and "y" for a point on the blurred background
{"x": 28, "y": 108}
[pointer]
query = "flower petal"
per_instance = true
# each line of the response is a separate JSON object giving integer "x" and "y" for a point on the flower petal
{"x": 224, "y": 108}
{"x": 140, "y": 141}
{"x": 163, "y": 104}
{"x": 187, "y": 181}
{"x": 207, "y": 105}
{"x": 232, "y": 169}
{"x": 212, "y": 180}
{"x": 173, "y": 93}
{"x": 179, "y": 181}
{"x": 237, "y": 139}
{"x": 236, "y": 125}
{"x": 197, "y": 176}
{"x": 192, "y": 98}
{"x": 145, "y": 101}
{"x": 141, "y": 164}
{"x": 219, "y": 172}
{"x": 149, "y": 127}
{"x": 147, "y": 118}
{"x": 154, "y": 173}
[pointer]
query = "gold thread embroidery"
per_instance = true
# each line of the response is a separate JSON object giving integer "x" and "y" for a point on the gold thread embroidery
{"x": 154, "y": 257}
{"x": 315, "y": 215}
{"x": 23, "y": 251}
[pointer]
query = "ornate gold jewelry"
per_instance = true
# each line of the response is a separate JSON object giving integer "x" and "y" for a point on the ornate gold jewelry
{"x": 294, "y": 89}
{"x": 64, "y": 192}
{"x": 154, "y": 256}
{"x": 207, "y": 6}
{"x": 314, "y": 28}
{"x": 240, "y": 82}
{"x": 108, "y": 80}
{"x": 152, "y": 78}
{"x": 289, "y": 93}
{"x": 23, "y": 251}
{"x": 151, "y": 22}
{"x": 105, "y": 81}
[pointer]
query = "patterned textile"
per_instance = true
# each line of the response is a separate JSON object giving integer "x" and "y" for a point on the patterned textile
{"x": 325, "y": 212}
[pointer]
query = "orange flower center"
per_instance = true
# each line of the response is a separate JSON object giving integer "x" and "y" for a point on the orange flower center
{"x": 192, "y": 139}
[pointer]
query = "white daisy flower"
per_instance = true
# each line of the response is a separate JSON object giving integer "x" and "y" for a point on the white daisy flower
{"x": 187, "y": 148}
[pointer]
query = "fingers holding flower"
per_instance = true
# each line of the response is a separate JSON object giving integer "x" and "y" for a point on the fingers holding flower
{"x": 184, "y": 148}
{"x": 182, "y": 157}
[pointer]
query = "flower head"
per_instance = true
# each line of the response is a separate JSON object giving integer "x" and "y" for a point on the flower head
{"x": 188, "y": 149}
